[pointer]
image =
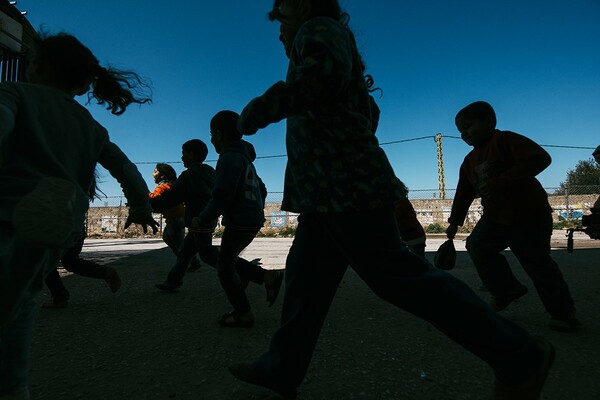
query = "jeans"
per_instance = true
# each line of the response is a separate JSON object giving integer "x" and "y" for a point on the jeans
{"x": 369, "y": 242}
{"x": 530, "y": 243}
{"x": 174, "y": 234}
{"x": 174, "y": 237}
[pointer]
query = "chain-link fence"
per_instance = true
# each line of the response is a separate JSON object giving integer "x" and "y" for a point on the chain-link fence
{"x": 568, "y": 206}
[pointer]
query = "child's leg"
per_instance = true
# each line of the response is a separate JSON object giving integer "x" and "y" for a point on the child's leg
{"x": 484, "y": 245}
{"x": 174, "y": 234}
{"x": 58, "y": 291}
{"x": 372, "y": 245}
{"x": 188, "y": 250}
{"x": 15, "y": 344}
{"x": 233, "y": 242}
{"x": 531, "y": 245}
{"x": 313, "y": 272}
{"x": 73, "y": 263}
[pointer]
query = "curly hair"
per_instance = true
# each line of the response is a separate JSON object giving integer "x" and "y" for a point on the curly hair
{"x": 76, "y": 68}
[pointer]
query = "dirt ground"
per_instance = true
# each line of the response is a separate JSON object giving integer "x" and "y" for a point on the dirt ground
{"x": 144, "y": 344}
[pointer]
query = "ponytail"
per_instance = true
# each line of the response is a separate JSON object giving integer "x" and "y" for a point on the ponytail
{"x": 118, "y": 89}
{"x": 76, "y": 68}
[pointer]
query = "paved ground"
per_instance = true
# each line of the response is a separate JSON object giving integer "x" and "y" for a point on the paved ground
{"x": 143, "y": 344}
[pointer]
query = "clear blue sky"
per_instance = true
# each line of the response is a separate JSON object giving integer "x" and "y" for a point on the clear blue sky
{"x": 537, "y": 62}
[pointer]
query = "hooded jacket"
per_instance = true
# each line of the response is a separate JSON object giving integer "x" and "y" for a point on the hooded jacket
{"x": 239, "y": 194}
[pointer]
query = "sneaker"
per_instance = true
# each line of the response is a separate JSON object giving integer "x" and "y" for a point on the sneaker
{"x": 531, "y": 389}
{"x": 247, "y": 373}
{"x": 168, "y": 287}
{"x": 568, "y": 324}
{"x": 500, "y": 303}
{"x": 113, "y": 280}
{"x": 44, "y": 217}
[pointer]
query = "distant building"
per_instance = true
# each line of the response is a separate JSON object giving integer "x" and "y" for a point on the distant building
{"x": 16, "y": 38}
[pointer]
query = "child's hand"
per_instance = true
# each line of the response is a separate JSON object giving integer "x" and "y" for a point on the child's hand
{"x": 142, "y": 219}
{"x": 244, "y": 129}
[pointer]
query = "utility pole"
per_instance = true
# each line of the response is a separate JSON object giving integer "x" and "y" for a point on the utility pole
{"x": 440, "y": 159}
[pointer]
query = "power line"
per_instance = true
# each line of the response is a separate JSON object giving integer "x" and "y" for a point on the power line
{"x": 381, "y": 144}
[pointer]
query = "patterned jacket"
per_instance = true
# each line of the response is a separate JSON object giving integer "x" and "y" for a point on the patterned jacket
{"x": 334, "y": 163}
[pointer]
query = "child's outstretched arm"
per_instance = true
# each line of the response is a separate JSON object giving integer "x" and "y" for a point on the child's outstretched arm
{"x": 133, "y": 185}
{"x": 321, "y": 70}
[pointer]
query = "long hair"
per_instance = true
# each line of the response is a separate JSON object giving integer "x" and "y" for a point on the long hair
{"x": 76, "y": 68}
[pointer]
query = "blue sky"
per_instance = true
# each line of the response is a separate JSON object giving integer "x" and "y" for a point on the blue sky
{"x": 537, "y": 62}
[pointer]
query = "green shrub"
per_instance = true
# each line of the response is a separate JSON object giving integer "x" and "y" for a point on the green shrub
{"x": 435, "y": 228}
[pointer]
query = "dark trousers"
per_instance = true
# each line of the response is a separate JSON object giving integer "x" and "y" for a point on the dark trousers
{"x": 73, "y": 263}
{"x": 530, "y": 243}
{"x": 324, "y": 246}
{"x": 233, "y": 242}
{"x": 201, "y": 243}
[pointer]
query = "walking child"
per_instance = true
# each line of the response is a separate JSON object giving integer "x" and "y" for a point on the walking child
{"x": 239, "y": 196}
{"x": 194, "y": 188}
{"x": 501, "y": 169}
{"x": 165, "y": 176}
{"x": 49, "y": 148}
{"x": 340, "y": 182}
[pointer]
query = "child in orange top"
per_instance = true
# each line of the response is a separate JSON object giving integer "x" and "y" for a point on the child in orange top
{"x": 174, "y": 231}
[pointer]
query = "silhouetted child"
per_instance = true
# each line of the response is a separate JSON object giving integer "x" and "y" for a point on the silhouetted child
{"x": 341, "y": 183}
{"x": 194, "y": 188}
{"x": 49, "y": 148}
{"x": 238, "y": 195}
{"x": 174, "y": 230}
{"x": 501, "y": 169}
{"x": 72, "y": 262}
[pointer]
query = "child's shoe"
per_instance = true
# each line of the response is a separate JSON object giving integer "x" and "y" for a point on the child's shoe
{"x": 568, "y": 323}
{"x": 44, "y": 217}
{"x": 500, "y": 303}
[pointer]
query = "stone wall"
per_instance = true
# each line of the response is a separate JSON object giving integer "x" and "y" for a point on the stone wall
{"x": 109, "y": 221}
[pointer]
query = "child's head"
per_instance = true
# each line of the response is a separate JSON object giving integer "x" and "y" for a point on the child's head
{"x": 476, "y": 123}
{"x": 223, "y": 129}
{"x": 164, "y": 172}
{"x": 193, "y": 152}
{"x": 63, "y": 62}
{"x": 293, "y": 13}
{"x": 596, "y": 154}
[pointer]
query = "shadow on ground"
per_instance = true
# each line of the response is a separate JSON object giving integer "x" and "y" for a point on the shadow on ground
{"x": 144, "y": 344}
